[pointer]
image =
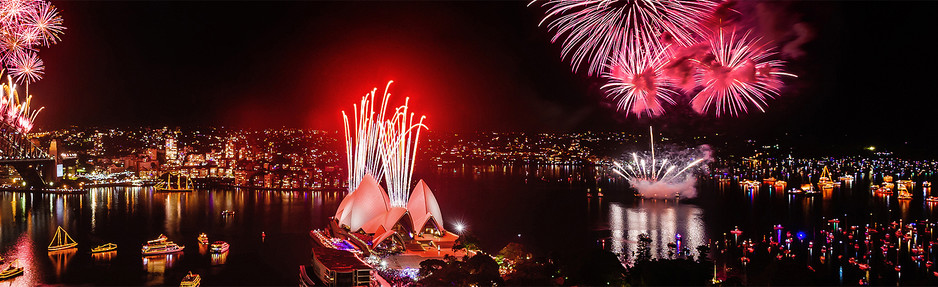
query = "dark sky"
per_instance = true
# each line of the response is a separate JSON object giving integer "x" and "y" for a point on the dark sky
{"x": 866, "y": 76}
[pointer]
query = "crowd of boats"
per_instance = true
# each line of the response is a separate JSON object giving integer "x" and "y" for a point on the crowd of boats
{"x": 864, "y": 253}
{"x": 63, "y": 242}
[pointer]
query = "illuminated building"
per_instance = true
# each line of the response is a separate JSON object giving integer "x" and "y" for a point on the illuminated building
{"x": 368, "y": 211}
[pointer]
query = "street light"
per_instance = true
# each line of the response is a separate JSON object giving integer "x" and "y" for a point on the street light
{"x": 460, "y": 227}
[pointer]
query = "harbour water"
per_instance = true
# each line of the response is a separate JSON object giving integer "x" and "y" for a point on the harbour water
{"x": 554, "y": 209}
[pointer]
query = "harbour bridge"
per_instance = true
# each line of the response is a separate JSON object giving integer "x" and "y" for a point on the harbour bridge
{"x": 34, "y": 165}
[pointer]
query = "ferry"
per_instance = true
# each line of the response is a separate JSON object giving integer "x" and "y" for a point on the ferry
{"x": 181, "y": 184}
{"x": 219, "y": 247}
{"x": 62, "y": 241}
{"x": 104, "y": 248}
{"x": 160, "y": 245}
{"x": 191, "y": 280}
{"x": 11, "y": 271}
{"x": 203, "y": 238}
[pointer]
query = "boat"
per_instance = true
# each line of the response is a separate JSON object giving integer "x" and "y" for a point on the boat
{"x": 807, "y": 188}
{"x": 107, "y": 247}
{"x": 62, "y": 241}
{"x": 795, "y": 191}
{"x": 227, "y": 212}
{"x": 219, "y": 247}
{"x": 11, "y": 271}
{"x": 181, "y": 184}
{"x": 887, "y": 178}
{"x": 191, "y": 280}
{"x": 160, "y": 245}
{"x": 932, "y": 199}
{"x": 769, "y": 181}
{"x": 203, "y": 238}
{"x": 904, "y": 193}
{"x": 780, "y": 184}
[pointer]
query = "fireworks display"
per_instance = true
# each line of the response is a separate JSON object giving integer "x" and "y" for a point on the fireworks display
{"x": 382, "y": 146}
{"x": 13, "y": 112}
{"x": 638, "y": 84}
{"x": 362, "y": 143}
{"x": 25, "y": 25}
{"x": 648, "y": 50}
{"x": 738, "y": 74}
{"x": 596, "y": 30}
{"x": 399, "y": 150}
{"x": 662, "y": 175}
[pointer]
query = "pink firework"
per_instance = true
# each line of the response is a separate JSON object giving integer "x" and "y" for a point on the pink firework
{"x": 736, "y": 74}
{"x": 47, "y": 23}
{"x": 594, "y": 31}
{"x": 638, "y": 84}
{"x": 24, "y": 26}
{"x": 28, "y": 66}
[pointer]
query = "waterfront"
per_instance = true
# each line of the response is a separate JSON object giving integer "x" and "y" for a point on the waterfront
{"x": 544, "y": 207}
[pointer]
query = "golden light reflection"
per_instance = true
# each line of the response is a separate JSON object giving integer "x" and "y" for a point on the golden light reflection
{"x": 60, "y": 260}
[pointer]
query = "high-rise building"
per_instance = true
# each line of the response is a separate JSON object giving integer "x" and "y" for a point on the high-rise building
{"x": 172, "y": 151}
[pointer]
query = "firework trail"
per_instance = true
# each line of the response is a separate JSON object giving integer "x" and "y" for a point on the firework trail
{"x": 652, "y": 177}
{"x": 25, "y": 25}
{"x": 594, "y": 31}
{"x": 13, "y": 112}
{"x": 363, "y": 140}
{"x": 399, "y": 151}
{"x": 737, "y": 74}
{"x": 638, "y": 85}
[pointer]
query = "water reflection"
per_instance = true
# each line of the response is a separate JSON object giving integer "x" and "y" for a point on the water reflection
{"x": 157, "y": 265}
{"x": 104, "y": 257}
{"x": 219, "y": 258}
{"x": 664, "y": 221}
{"x": 129, "y": 217}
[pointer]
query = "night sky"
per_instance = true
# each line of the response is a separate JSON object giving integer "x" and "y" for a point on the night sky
{"x": 866, "y": 75}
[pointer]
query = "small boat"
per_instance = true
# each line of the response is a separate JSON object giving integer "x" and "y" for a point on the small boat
{"x": 61, "y": 241}
{"x": 219, "y": 247}
{"x": 227, "y": 212}
{"x": 104, "y": 248}
{"x": 932, "y": 199}
{"x": 203, "y": 238}
{"x": 160, "y": 245}
{"x": 11, "y": 271}
{"x": 191, "y": 280}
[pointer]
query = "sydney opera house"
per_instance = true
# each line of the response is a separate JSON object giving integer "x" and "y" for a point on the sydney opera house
{"x": 367, "y": 218}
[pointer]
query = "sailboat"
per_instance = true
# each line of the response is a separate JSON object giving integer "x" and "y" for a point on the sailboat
{"x": 11, "y": 271}
{"x": 61, "y": 241}
{"x": 825, "y": 181}
{"x": 181, "y": 184}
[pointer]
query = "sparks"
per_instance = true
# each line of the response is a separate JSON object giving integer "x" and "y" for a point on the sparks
{"x": 738, "y": 74}
{"x": 362, "y": 143}
{"x": 594, "y": 31}
{"x": 399, "y": 149}
{"x": 638, "y": 85}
